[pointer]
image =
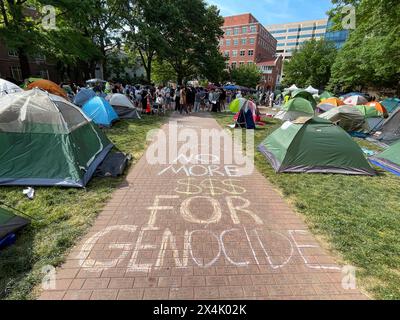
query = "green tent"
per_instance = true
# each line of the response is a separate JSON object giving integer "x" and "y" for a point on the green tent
{"x": 237, "y": 104}
{"x": 326, "y": 95}
{"x": 305, "y": 95}
{"x": 295, "y": 108}
{"x": 47, "y": 141}
{"x": 369, "y": 112}
{"x": 10, "y": 223}
{"x": 389, "y": 159}
{"x": 314, "y": 145}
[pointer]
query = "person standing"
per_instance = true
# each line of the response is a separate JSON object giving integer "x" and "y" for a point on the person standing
{"x": 271, "y": 99}
{"x": 183, "y": 101}
{"x": 222, "y": 99}
{"x": 178, "y": 99}
{"x": 197, "y": 100}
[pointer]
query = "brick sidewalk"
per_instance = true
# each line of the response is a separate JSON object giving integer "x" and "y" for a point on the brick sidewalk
{"x": 182, "y": 233}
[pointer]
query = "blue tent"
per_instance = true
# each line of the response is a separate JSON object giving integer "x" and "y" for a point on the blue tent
{"x": 100, "y": 111}
{"x": 391, "y": 104}
{"x": 83, "y": 96}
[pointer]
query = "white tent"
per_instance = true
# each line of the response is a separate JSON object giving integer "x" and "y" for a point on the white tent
{"x": 312, "y": 90}
{"x": 7, "y": 87}
{"x": 293, "y": 88}
{"x": 121, "y": 100}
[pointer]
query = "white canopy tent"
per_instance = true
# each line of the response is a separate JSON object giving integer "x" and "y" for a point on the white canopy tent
{"x": 312, "y": 90}
{"x": 293, "y": 88}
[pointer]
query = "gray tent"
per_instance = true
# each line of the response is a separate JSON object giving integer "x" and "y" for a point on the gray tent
{"x": 390, "y": 131}
{"x": 347, "y": 117}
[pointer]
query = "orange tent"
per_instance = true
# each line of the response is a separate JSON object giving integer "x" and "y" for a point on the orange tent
{"x": 378, "y": 107}
{"x": 333, "y": 101}
{"x": 48, "y": 86}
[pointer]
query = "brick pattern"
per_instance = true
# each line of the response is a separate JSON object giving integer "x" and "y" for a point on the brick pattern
{"x": 111, "y": 263}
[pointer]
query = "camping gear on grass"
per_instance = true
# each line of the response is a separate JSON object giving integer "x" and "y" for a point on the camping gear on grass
{"x": 47, "y": 141}
{"x": 347, "y": 117}
{"x": 100, "y": 111}
{"x": 48, "y": 86}
{"x": 295, "y": 108}
{"x": 9, "y": 225}
{"x": 83, "y": 96}
{"x": 355, "y": 100}
{"x": 113, "y": 165}
{"x": 314, "y": 145}
{"x": 7, "y": 87}
{"x": 123, "y": 107}
{"x": 247, "y": 116}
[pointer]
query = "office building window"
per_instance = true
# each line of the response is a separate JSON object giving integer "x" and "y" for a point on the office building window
{"x": 236, "y": 31}
{"x": 235, "y": 42}
{"x": 242, "y": 53}
{"x": 244, "y": 41}
{"x": 234, "y": 53}
{"x": 233, "y": 65}
{"x": 280, "y": 38}
{"x": 244, "y": 29}
{"x": 292, "y": 37}
{"x": 226, "y": 54}
{"x": 252, "y": 41}
{"x": 320, "y": 27}
{"x": 250, "y": 63}
{"x": 241, "y": 63}
{"x": 253, "y": 29}
{"x": 307, "y": 28}
{"x": 228, "y": 32}
{"x": 16, "y": 73}
{"x": 228, "y": 43}
{"x": 278, "y": 31}
{"x": 281, "y": 44}
{"x": 294, "y": 30}
{"x": 251, "y": 53}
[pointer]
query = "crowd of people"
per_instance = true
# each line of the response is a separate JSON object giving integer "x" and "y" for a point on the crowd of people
{"x": 182, "y": 99}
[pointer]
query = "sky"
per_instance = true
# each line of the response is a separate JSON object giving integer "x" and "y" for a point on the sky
{"x": 275, "y": 11}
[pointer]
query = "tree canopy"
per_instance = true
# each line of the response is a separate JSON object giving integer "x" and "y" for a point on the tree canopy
{"x": 311, "y": 65}
{"x": 246, "y": 75}
{"x": 371, "y": 56}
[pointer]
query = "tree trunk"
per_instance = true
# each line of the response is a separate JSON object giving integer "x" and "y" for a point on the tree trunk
{"x": 148, "y": 70}
{"x": 24, "y": 63}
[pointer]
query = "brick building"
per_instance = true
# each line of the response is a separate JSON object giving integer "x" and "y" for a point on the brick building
{"x": 247, "y": 41}
{"x": 10, "y": 67}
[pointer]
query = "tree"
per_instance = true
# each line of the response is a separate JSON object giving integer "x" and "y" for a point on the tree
{"x": 22, "y": 29}
{"x": 246, "y": 76}
{"x": 162, "y": 72}
{"x": 371, "y": 56}
{"x": 311, "y": 64}
{"x": 192, "y": 36}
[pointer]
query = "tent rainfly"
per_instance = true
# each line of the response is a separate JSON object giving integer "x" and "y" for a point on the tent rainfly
{"x": 389, "y": 159}
{"x": 100, "y": 111}
{"x": 314, "y": 145}
{"x": 7, "y": 87}
{"x": 47, "y": 141}
{"x": 295, "y": 108}
{"x": 123, "y": 107}
{"x": 292, "y": 88}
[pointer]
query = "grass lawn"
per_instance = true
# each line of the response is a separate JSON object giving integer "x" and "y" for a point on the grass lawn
{"x": 358, "y": 216}
{"x": 63, "y": 215}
